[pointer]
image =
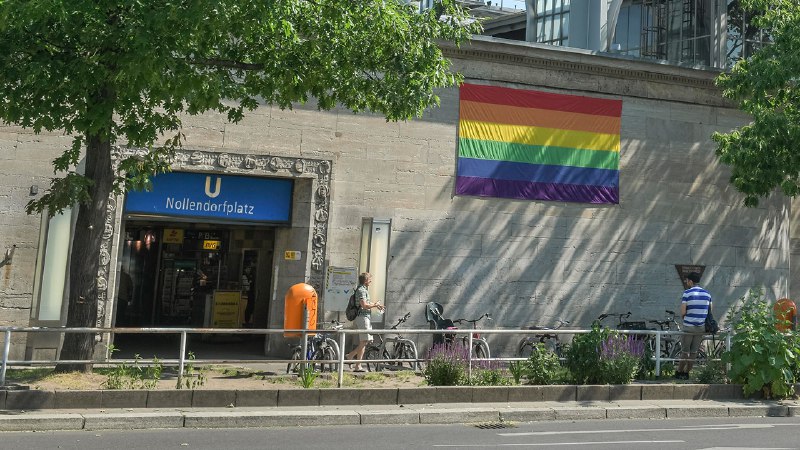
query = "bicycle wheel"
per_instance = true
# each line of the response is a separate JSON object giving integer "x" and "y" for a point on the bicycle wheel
{"x": 406, "y": 356}
{"x": 372, "y": 353}
{"x": 326, "y": 353}
{"x": 294, "y": 366}
{"x": 674, "y": 350}
{"x": 524, "y": 349}
{"x": 319, "y": 355}
{"x": 481, "y": 349}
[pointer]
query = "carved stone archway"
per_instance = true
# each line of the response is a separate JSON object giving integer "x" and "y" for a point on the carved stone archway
{"x": 232, "y": 164}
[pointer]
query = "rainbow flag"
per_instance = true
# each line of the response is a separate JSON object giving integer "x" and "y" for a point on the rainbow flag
{"x": 532, "y": 145}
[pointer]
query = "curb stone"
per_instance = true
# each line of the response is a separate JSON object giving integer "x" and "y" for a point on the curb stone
{"x": 477, "y": 395}
{"x": 366, "y": 415}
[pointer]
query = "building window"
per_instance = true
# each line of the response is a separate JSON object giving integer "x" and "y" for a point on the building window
{"x": 673, "y": 30}
{"x": 374, "y": 258}
{"x": 51, "y": 278}
{"x": 551, "y": 19}
{"x": 744, "y": 38}
{"x": 628, "y": 33}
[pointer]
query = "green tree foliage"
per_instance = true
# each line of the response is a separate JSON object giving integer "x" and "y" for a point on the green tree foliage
{"x": 110, "y": 72}
{"x": 763, "y": 155}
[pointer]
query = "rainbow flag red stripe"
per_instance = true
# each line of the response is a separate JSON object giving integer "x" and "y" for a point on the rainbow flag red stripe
{"x": 533, "y": 145}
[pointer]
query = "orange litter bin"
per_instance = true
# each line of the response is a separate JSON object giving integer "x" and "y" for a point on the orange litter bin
{"x": 299, "y": 297}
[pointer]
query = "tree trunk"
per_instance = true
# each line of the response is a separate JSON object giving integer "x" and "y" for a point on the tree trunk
{"x": 85, "y": 256}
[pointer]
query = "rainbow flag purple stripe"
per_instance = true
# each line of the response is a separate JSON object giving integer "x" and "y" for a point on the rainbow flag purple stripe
{"x": 532, "y": 145}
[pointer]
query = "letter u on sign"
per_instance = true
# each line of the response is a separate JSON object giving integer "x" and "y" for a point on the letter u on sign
{"x": 216, "y": 189}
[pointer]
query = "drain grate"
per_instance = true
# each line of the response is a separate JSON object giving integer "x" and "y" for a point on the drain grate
{"x": 494, "y": 425}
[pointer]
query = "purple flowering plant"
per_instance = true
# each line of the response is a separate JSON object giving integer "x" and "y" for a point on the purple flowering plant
{"x": 620, "y": 358}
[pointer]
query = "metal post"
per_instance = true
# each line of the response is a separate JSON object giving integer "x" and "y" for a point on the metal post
{"x": 658, "y": 353}
{"x": 6, "y": 349}
{"x": 341, "y": 336}
{"x": 182, "y": 357}
{"x": 469, "y": 359}
{"x": 728, "y": 347}
{"x": 305, "y": 336}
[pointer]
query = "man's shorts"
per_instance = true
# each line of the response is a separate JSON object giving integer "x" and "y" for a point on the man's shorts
{"x": 692, "y": 338}
{"x": 363, "y": 323}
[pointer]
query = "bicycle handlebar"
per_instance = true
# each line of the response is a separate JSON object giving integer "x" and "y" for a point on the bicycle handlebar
{"x": 474, "y": 321}
{"x": 620, "y": 316}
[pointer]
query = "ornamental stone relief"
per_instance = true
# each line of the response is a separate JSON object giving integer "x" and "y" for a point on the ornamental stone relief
{"x": 222, "y": 162}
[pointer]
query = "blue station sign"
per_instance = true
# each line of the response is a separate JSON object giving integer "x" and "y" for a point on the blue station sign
{"x": 213, "y": 196}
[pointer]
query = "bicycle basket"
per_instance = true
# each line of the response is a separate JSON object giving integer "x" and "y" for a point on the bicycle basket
{"x": 632, "y": 326}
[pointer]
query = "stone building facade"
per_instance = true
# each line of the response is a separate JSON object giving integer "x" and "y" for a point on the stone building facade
{"x": 525, "y": 262}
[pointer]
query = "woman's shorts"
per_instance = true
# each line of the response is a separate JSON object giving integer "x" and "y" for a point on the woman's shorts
{"x": 363, "y": 323}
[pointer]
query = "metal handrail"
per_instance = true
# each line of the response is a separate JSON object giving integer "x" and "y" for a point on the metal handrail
{"x": 341, "y": 334}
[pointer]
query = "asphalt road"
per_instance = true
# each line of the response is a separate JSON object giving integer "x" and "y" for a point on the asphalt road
{"x": 721, "y": 433}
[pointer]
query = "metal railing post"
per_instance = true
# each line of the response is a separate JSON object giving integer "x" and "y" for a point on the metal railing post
{"x": 182, "y": 357}
{"x": 469, "y": 359}
{"x": 657, "y": 351}
{"x": 340, "y": 334}
{"x": 304, "y": 364}
{"x": 6, "y": 350}
{"x": 305, "y": 336}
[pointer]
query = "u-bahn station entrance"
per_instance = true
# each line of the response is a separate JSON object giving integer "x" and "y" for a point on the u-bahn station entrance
{"x": 197, "y": 250}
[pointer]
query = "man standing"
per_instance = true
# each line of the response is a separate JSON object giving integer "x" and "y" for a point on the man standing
{"x": 362, "y": 322}
{"x": 695, "y": 305}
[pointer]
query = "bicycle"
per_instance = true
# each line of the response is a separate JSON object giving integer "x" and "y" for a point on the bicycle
{"x": 711, "y": 349}
{"x": 403, "y": 350}
{"x": 551, "y": 341}
{"x": 480, "y": 347}
{"x": 320, "y": 347}
{"x": 670, "y": 343}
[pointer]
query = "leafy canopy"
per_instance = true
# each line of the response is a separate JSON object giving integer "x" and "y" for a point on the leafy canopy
{"x": 764, "y": 155}
{"x": 128, "y": 70}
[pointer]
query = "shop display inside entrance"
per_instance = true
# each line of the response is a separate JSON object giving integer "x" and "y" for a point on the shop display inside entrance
{"x": 189, "y": 276}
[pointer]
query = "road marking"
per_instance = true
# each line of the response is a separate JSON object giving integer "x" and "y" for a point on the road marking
{"x": 553, "y": 444}
{"x": 647, "y": 430}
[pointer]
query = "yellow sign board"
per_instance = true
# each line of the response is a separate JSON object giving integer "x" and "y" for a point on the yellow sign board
{"x": 212, "y": 245}
{"x": 173, "y": 236}
{"x": 292, "y": 255}
{"x": 226, "y": 309}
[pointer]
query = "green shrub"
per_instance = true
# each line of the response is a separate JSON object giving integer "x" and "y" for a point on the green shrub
{"x": 447, "y": 365}
{"x": 583, "y": 355}
{"x": 516, "y": 368}
{"x": 713, "y": 372}
{"x": 306, "y": 375}
{"x": 136, "y": 376}
{"x": 542, "y": 367}
{"x": 761, "y": 358}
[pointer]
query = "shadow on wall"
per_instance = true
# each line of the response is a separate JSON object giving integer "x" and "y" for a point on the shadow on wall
{"x": 531, "y": 263}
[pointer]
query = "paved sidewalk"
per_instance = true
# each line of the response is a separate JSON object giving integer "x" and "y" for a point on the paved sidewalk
{"x": 241, "y": 417}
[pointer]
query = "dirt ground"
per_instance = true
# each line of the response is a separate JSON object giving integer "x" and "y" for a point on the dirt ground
{"x": 236, "y": 378}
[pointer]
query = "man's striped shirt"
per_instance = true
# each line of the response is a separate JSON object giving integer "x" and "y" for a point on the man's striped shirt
{"x": 697, "y": 301}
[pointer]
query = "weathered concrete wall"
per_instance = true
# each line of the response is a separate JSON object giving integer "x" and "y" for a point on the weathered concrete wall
{"x": 525, "y": 262}
{"x": 25, "y": 161}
